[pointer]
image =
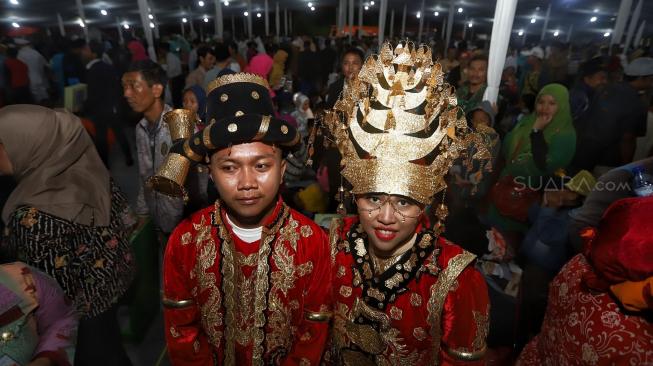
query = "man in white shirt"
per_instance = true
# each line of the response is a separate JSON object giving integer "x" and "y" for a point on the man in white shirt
{"x": 173, "y": 70}
{"x": 36, "y": 65}
{"x": 207, "y": 61}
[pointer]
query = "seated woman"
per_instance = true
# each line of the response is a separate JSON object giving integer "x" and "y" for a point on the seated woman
{"x": 584, "y": 324}
{"x": 540, "y": 144}
{"x": 66, "y": 218}
{"x": 37, "y": 322}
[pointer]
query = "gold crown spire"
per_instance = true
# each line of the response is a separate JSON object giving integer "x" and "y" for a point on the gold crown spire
{"x": 398, "y": 126}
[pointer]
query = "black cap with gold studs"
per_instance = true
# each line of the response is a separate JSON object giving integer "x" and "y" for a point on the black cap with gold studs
{"x": 239, "y": 110}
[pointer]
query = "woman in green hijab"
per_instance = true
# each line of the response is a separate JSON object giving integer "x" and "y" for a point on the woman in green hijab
{"x": 540, "y": 145}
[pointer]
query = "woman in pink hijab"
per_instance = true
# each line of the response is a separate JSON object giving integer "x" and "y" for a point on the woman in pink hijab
{"x": 261, "y": 65}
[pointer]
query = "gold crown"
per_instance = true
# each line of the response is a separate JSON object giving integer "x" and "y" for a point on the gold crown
{"x": 398, "y": 126}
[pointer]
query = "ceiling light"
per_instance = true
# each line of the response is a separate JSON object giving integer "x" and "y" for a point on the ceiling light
{"x": 15, "y": 25}
{"x": 151, "y": 25}
{"x": 556, "y": 33}
{"x": 125, "y": 25}
{"x": 532, "y": 20}
{"x": 103, "y": 12}
{"x": 596, "y": 10}
{"x": 419, "y": 15}
{"x": 470, "y": 25}
{"x": 460, "y": 10}
{"x": 184, "y": 20}
{"x": 310, "y": 5}
{"x": 606, "y": 34}
{"x": 200, "y": 3}
{"x": 246, "y": 13}
{"x": 367, "y": 7}
{"x": 206, "y": 20}
{"x": 521, "y": 33}
{"x": 372, "y": 3}
{"x": 226, "y": 3}
{"x": 258, "y": 15}
{"x": 593, "y": 19}
{"x": 312, "y": 8}
{"x": 151, "y": 16}
{"x": 437, "y": 14}
{"x": 14, "y": 2}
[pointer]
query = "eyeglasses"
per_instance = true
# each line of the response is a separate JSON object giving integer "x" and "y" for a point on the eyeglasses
{"x": 403, "y": 208}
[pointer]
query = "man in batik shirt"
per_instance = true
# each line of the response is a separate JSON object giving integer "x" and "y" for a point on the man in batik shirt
{"x": 403, "y": 294}
{"x": 247, "y": 280}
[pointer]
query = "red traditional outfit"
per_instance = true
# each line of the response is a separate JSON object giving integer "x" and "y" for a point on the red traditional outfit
{"x": 584, "y": 323}
{"x": 236, "y": 303}
{"x": 430, "y": 307}
{"x": 399, "y": 130}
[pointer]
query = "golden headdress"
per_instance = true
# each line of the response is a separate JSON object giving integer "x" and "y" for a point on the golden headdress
{"x": 398, "y": 126}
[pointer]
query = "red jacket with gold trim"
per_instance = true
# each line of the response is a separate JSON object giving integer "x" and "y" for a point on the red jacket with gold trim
{"x": 430, "y": 307}
{"x": 236, "y": 303}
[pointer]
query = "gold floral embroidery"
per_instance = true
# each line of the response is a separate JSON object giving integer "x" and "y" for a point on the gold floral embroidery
{"x": 360, "y": 247}
{"x": 29, "y": 219}
{"x": 375, "y": 293}
{"x": 186, "y": 238}
{"x": 439, "y": 292}
{"x": 341, "y": 271}
{"x": 174, "y": 333}
{"x": 289, "y": 233}
{"x": 415, "y": 299}
{"x": 419, "y": 334}
{"x": 284, "y": 278}
{"x": 394, "y": 281}
{"x": 279, "y": 322}
{"x": 196, "y": 346}
{"x": 482, "y": 328}
{"x": 206, "y": 282}
{"x": 306, "y": 231}
{"x": 305, "y": 337}
{"x": 60, "y": 261}
{"x": 396, "y": 313}
{"x": 334, "y": 238}
{"x": 345, "y": 291}
{"x": 246, "y": 260}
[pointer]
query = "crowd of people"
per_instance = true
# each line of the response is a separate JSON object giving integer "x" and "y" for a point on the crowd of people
{"x": 341, "y": 204}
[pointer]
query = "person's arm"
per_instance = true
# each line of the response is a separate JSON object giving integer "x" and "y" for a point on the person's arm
{"x": 628, "y": 146}
{"x": 186, "y": 339}
{"x": 56, "y": 320}
{"x": 312, "y": 332}
{"x": 465, "y": 320}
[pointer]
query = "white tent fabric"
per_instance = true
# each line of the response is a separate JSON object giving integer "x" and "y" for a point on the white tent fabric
{"x": 640, "y": 33}
{"x": 267, "y": 18}
{"x": 392, "y": 23}
{"x": 249, "y": 18}
{"x": 504, "y": 15}
{"x": 143, "y": 9}
{"x": 80, "y": 10}
{"x": 403, "y": 23}
{"x": 277, "y": 19}
{"x": 569, "y": 32}
{"x": 421, "y": 23}
{"x": 634, "y": 19}
{"x": 62, "y": 30}
{"x": 546, "y": 22}
{"x": 383, "y": 8}
{"x": 121, "y": 39}
{"x": 622, "y": 17}
{"x": 219, "y": 23}
{"x": 449, "y": 26}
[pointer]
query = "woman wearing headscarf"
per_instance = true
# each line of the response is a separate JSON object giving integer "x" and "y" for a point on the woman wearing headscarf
{"x": 597, "y": 306}
{"x": 540, "y": 145}
{"x": 195, "y": 100}
{"x": 67, "y": 219}
{"x": 302, "y": 113}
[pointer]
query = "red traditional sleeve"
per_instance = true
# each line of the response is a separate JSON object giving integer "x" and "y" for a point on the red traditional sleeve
{"x": 312, "y": 333}
{"x": 465, "y": 320}
{"x": 187, "y": 342}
